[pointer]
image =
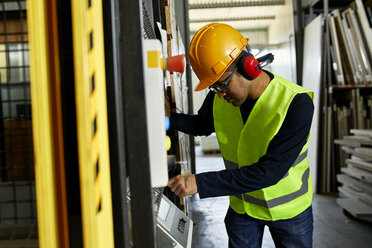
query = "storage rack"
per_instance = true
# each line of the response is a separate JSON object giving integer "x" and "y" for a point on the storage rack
{"x": 334, "y": 97}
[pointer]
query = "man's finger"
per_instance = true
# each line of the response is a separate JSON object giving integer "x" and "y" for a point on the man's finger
{"x": 178, "y": 190}
{"x": 171, "y": 181}
{"x": 176, "y": 184}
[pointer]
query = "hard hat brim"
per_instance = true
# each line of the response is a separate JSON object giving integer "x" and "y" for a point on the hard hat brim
{"x": 202, "y": 86}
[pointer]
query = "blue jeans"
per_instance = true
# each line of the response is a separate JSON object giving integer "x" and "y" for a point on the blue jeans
{"x": 245, "y": 231}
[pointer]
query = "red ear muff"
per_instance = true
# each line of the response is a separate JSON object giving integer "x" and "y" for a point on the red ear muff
{"x": 249, "y": 67}
{"x": 252, "y": 67}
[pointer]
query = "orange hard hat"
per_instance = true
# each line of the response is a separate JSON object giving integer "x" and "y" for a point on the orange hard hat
{"x": 212, "y": 50}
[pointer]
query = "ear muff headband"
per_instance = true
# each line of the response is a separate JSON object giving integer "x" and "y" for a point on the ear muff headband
{"x": 250, "y": 67}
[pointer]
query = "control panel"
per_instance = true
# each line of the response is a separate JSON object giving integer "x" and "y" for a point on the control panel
{"x": 174, "y": 228}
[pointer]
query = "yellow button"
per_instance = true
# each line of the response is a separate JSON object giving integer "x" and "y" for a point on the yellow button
{"x": 167, "y": 143}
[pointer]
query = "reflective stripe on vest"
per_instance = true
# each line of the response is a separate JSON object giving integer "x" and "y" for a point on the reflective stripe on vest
{"x": 282, "y": 199}
{"x": 299, "y": 159}
{"x": 233, "y": 166}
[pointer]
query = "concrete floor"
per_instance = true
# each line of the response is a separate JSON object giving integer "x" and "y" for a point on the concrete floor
{"x": 332, "y": 228}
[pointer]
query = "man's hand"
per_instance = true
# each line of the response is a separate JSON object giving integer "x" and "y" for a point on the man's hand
{"x": 177, "y": 185}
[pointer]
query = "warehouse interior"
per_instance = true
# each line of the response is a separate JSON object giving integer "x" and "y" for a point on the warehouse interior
{"x": 86, "y": 147}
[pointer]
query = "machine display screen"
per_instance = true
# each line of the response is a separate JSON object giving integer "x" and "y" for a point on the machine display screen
{"x": 163, "y": 209}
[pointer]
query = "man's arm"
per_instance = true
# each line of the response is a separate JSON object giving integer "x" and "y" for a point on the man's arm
{"x": 197, "y": 125}
{"x": 282, "y": 152}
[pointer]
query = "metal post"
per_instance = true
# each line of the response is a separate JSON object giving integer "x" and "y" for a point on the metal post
{"x": 135, "y": 123}
{"x": 299, "y": 38}
{"x": 115, "y": 122}
{"x": 183, "y": 22}
{"x": 189, "y": 84}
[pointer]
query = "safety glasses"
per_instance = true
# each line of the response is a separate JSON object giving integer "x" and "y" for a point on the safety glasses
{"x": 222, "y": 87}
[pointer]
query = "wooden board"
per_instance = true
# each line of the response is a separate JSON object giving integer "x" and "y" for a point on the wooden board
{"x": 356, "y": 208}
{"x": 353, "y": 194}
{"x": 364, "y": 153}
{"x": 362, "y": 132}
{"x": 335, "y": 51}
{"x": 348, "y": 149}
{"x": 354, "y": 183}
{"x": 360, "y": 164}
{"x": 345, "y": 53}
{"x": 366, "y": 27}
{"x": 350, "y": 192}
{"x": 362, "y": 140}
{"x": 358, "y": 173}
{"x": 347, "y": 142}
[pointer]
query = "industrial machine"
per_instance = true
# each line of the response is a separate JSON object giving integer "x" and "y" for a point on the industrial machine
{"x": 173, "y": 227}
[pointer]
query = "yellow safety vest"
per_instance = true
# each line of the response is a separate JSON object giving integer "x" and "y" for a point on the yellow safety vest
{"x": 243, "y": 145}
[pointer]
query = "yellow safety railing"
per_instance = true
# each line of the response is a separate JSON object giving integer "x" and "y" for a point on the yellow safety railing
{"x": 91, "y": 110}
{"x": 47, "y": 124}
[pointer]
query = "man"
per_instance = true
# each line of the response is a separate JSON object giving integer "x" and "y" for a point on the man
{"x": 262, "y": 123}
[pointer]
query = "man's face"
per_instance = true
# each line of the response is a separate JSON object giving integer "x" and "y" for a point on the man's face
{"x": 239, "y": 88}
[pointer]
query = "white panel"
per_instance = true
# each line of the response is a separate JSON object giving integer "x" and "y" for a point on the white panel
{"x": 311, "y": 79}
{"x": 233, "y": 12}
{"x": 284, "y": 64}
{"x": 240, "y": 25}
{"x": 256, "y": 37}
{"x": 154, "y": 91}
{"x": 281, "y": 33}
{"x": 282, "y": 28}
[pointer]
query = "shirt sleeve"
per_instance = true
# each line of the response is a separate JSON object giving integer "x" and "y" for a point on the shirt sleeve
{"x": 197, "y": 125}
{"x": 282, "y": 152}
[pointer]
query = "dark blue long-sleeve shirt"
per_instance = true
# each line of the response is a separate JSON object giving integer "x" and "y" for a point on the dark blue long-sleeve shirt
{"x": 281, "y": 153}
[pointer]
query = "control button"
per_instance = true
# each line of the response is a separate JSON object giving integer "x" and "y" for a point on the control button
{"x": 181, "y": 225}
